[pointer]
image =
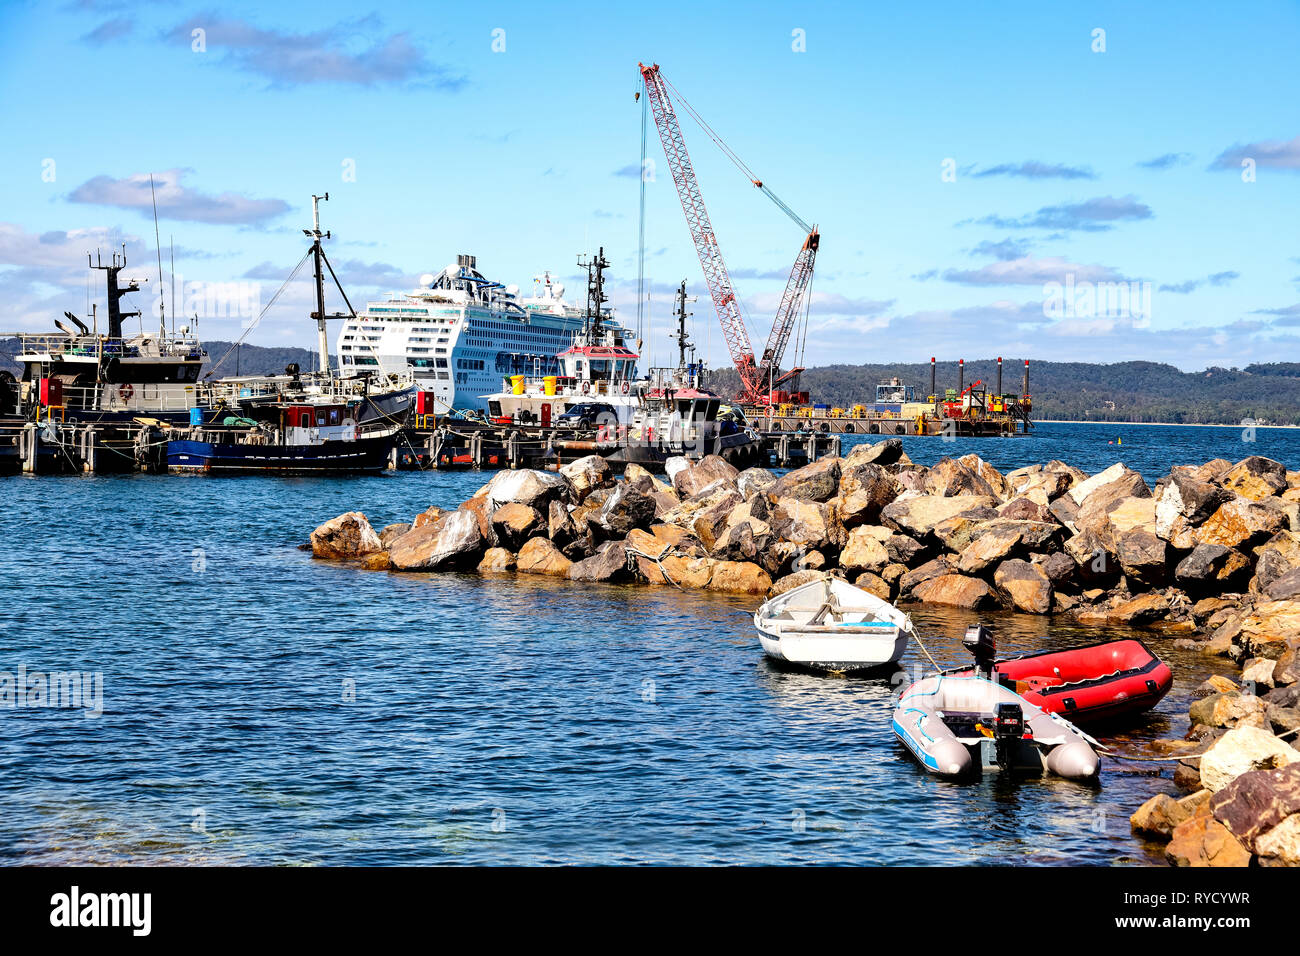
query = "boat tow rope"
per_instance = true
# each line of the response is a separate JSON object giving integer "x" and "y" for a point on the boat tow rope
{"x": 1118, "y": 756}
{"x": 658, "y": 560}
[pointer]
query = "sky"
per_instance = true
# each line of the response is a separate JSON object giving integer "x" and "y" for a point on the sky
{"x": 976, "y": 171}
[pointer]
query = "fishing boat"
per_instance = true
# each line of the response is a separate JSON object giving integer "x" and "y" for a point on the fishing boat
{"x": 1091, "y": 683}
{"x": 325, "y": 425}
{"x": 832, "y": 625}
{"x": 309, "y": 439}
{"x": 957, "y": 726}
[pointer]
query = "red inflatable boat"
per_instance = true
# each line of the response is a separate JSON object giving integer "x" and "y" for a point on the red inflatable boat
{"x": 1087, "y": 684}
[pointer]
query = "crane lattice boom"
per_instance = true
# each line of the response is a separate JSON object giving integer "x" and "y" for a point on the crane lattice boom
{"x": 697, "y": 218}
{"x": 754, "y": 377}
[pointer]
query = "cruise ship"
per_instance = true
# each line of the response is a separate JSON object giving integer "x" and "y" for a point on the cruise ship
{"x": 461, "y": 333}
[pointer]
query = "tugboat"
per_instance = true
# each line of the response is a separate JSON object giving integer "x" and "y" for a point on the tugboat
{"x": 318, "y": 427}
{"x": 678, "y": 416}
{"x": 596, "y": 373}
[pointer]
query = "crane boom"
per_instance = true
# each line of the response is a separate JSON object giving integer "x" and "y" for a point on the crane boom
{"x": 697, "y": 218}
{"x": 788, "y": 312}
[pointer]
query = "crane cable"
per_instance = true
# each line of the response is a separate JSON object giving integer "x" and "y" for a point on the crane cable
{"x": 740, "y": 163}
{"x": 640, "y": 265}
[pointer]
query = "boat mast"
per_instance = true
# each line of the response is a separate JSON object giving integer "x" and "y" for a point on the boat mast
{"x": 317, "y": 255}
{"x": 595, "y": 292}
{"x": 683, "y": 341}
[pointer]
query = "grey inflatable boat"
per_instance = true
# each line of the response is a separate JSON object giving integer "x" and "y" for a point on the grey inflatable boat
{"x": 960, "y": 726}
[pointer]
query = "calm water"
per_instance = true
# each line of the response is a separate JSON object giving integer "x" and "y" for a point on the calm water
{"x": 262, "y": 707}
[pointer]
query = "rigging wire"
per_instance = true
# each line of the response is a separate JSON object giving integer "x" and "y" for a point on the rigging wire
{"x": 740, "y": 163}
{"x": 252, "y": 325}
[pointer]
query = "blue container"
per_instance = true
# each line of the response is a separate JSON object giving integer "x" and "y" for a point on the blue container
{"x": 196, "y": 416}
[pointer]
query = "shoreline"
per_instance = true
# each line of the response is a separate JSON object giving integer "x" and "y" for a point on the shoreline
{"x": 1067, "y": 421}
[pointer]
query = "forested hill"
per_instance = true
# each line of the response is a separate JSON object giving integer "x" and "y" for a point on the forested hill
{"x": 1080, "y": 391}
{"x": 249, "y": 360}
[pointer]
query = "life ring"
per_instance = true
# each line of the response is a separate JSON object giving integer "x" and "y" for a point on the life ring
{"x": 586, "y": 388}
{"x": 126, "y": 390}
{"x": 626, "y": 388}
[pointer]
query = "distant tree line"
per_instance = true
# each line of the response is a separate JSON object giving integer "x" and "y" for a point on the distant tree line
{"x": 1083, "y": 391}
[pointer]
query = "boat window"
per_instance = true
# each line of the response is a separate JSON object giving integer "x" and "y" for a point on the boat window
{"x": 334, "y": 416}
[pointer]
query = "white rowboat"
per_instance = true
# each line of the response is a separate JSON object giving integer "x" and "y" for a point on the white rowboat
{"x": 831, "y": 625}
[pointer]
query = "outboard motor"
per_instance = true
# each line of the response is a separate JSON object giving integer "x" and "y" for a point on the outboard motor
{"x": 979, "y": 641}
{"x": 1008, "y": 730}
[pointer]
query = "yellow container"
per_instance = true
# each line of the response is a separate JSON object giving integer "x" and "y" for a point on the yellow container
{"x": 517, "y": 384}
{"x": 548, "y": 384}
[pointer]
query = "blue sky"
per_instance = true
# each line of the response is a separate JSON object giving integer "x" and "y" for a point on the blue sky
{"x": 1122, "y": 165}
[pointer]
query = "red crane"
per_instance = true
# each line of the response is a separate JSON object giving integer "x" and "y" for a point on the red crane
{"x": 758, "y": 378}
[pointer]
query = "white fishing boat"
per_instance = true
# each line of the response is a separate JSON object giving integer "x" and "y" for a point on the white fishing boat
{"x": 831, "y": 625}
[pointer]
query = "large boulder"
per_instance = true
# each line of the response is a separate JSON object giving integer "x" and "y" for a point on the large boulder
{"x": 540, "y": 556}
{"x": 1094, "y": 558}
{"x": 1257, "y": 801}
{"x": 1204, "y": 841}
{"x": 1255, "y": 478}
{"x": 711, "y": 522}
{"x": 496, "y": 561}
{"x": 1270, "y": 629}
{"x": 746, "y": 541}
{"x": 1026, "y": 508}
{"x": 1242, "y": 750}
{"x": 453, "y": 541}
{"x": 754, "y": 481}
{"x": 918, "y": 516}
{"x": 1228, "y": 710}
{"x": 807, "y": 524}
{"x": 1159, "y": 816}
{"x": 949, "y": 477}
{"x": 608, "y": 564}
{"x": 1189, "y": 499}
{"x": 1138, "y": 611}
{"x": 816, "y": 481}
{"x": 1117, "y": 481}
{"x": 690, "y": 481}
{"x": 586, "y": 475}
{"x": 864, "y": 490}
{"x": 1024, "y": 586}
{"x": 910, "y": 580}
{"x": 1142, "y": 556}
{"x": 885, "y": 452}
{"x": 1201, "y": 566}
{"x": 527, "y": 487}
{"x": 348, "y": 536}
{"x": 631, "y": 505}
{"x": 989, "y": 548}
{"x": 1284, "y": 587}
{"x": 1280, "y": 846}
{"x": 957, "y": 590}
{"x": 993, "y": 478}
{"x": 513, "y": 524}
{"x": 865, "y": 550}
{"x": 1242, "y": 523}
{"x": 739, "y": 577}
{"x": 794, "y": 580}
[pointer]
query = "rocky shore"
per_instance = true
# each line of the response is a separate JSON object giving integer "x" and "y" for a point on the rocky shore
{"x": 1209, "y": 557}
